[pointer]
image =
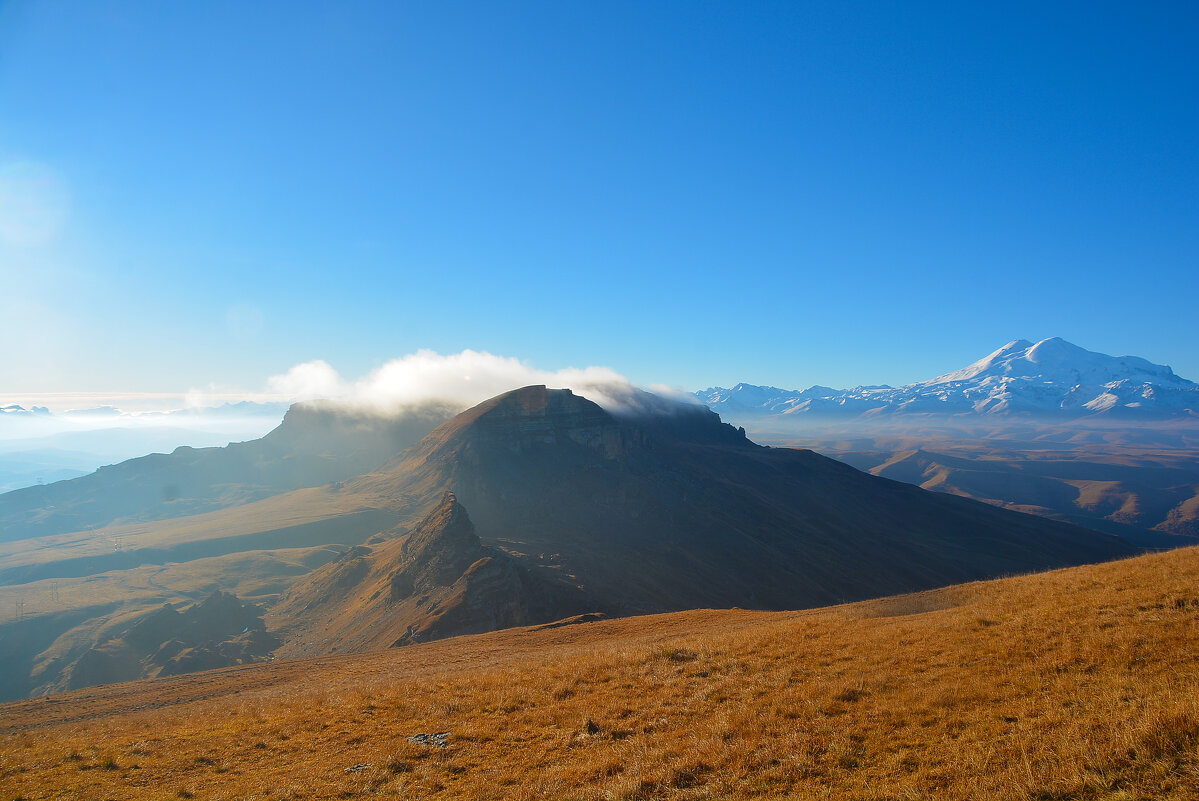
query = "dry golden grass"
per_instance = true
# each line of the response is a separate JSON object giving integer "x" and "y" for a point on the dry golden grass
{"x": 254, "y": 575}
{"x": 1082, "y": 683}
{"x": 294, "y": 508}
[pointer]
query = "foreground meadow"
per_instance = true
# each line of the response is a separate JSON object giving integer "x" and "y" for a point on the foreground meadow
{"x": 1080, "y": 683}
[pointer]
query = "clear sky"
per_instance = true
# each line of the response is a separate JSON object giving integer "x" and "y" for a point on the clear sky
{"x": 693, "y": 193}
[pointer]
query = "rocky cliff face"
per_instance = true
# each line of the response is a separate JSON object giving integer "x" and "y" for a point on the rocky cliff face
{"x": 435, "y": 581}
{"x": 438, "y": 552}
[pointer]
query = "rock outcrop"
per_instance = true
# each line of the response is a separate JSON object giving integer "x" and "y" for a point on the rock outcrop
{"x": 438, "y": 580}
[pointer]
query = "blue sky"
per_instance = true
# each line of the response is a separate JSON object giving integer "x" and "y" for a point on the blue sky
{"x": 688, "y": 193}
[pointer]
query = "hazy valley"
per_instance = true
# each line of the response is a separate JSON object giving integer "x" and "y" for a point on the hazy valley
{"x": 1051, "y": 429}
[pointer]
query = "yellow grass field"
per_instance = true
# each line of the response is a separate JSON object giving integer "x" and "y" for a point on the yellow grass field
{"x": 1080, "y": 683}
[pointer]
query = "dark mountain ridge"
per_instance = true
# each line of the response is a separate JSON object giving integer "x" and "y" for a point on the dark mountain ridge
{"x": 674, "y": 511}
{"x": 316, "y": 444}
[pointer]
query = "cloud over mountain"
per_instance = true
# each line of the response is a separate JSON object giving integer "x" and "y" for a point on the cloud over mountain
{"x": 464, "y": 378}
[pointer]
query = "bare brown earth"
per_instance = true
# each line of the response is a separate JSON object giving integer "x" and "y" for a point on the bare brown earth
{"x": 1081, "y": 683}
{"x": 1132, "y": 481}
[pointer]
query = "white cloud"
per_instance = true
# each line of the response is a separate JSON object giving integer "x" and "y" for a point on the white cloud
{"x": 462, "y": 379}
{"x": 309, "y": 380}
{"x": 458, "y": 379}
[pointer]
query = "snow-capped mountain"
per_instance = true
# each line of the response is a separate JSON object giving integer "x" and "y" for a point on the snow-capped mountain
{"x": 1051, "y": 378}
{"x": 14, "y": 409}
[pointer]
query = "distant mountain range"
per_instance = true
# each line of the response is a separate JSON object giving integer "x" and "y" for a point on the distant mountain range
{"x": 582, "y": 510}
{"x": 573, "y": 509}
{"x": 240, "y": 410}
{"x": 1051, "y": 379}
{"x": 16, "y": 409}
{"x": 39, "y": 446}
{"x": 317, "y": 443}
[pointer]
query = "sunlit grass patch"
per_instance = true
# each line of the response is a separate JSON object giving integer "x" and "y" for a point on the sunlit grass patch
{"x": 1081, "y": 684}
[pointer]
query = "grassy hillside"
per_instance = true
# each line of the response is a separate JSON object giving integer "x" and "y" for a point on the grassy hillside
{"x": 1080, "y": 683}
{"x": 66, "y": 617}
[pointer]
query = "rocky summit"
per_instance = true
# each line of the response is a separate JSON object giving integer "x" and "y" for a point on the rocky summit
{"x": 669, "y": 508}
{"x": 435, "y": 581}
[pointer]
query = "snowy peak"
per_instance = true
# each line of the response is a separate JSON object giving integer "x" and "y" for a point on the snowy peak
{"x": 1057, "y": 351}
{"x": 14, "y": 409}
{"x": 746, "y": 395}
{"x": 1057, "y": 361}
{"x": 1051, "y": 378}
{"x": 987, "y": 364}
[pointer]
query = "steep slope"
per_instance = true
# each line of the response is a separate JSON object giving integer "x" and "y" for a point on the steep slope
{"x": 316, "y": 444}
{"x": 437, "y": 581}
{"x": 1051, "y": 379}
{"x": 675, "y": 510}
